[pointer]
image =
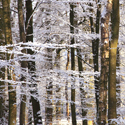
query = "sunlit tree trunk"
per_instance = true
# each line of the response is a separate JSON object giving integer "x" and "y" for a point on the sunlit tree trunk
{"x": 21, "y": 22}
{"x": 31, "y": 65}
{"x": 104, "y": 63}
{"x": 8, "y": 40}
{"x": 2, "y": 69}
{"x": 23, "y": 65}
{"x": 73, "y": 108}
{"x": 112, "y": 62}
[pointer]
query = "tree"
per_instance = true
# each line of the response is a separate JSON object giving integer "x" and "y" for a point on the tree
{"x": 2, "y": 69}
{"x": 95, "y": 50}
{"x": 82, "y": 91}
{"x": 23, "y": 64}
{"x": 49, "y": 90}
{"x": 66, "y": 88}
{"x": 104, "y": 63}
{"x": 31, "y": 65}
{"x": 46, "y": 59}
{"x": 8, "y": 41}
{"x": 72, "y": 65}
{"x": 112, "y": 62}
{"x": 58, "y": 88}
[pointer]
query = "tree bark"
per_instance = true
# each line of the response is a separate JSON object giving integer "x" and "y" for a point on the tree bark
{"x": 2, "y": 70}
{"x": 66, "y": 89}
{"x": 104, "y": 64}
{"x": 31, "y": 65}
{"x": 82, "y": 91}
{"x": 23, "y": 65}
{"x": 58, "y": 88}
{"x": 95, "y": 50}
{"x": 49, "y": 90}
{"x": 73, "y": 109}
{"x": 112, "y": 62}
{"x": 118, "y": 91}
{"x": 8, "y": 40}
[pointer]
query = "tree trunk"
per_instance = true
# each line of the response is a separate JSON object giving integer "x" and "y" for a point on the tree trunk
{"x": 8, "y": 40}
{"x": 58, "y": 88}
{"x": 2, "y": 70}
{"x": 112, "y": 62}
{"x": 95, "y": 50}
{"x": 118, "y": 92}
{"x": 82, "y": 91}
{"x": 49, "y": 87}
{"x": 104, "y": 64}
{"x": 23, "y": 65}
{"x": 73, "y": 109}
{"x": 31, "y": 65}
{"x": 66, "y": 89}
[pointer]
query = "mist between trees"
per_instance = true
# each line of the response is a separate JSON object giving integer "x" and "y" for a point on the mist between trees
{"x": 62, "y": 62}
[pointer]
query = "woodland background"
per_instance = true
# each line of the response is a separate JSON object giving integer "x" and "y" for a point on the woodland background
{"x": 62, "y": 62}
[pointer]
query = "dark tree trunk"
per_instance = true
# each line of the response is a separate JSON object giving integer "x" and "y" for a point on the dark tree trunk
{"x": 73, "y": 108}
{"x": 2, "y": 70}
{"x": 95, "y": 50}
{"x": 82, "y": 91}
{"x": 96, "y": 65}
{"x": 31, "y": 65}
{"x": 23, "y": 65}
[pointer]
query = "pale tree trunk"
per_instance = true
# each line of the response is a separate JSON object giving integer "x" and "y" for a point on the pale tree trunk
{"x": 31, "y": 65}
{"x": 49, "y": 66}
{"x": 112, "y": 114}
{"x": 8, "y": 40}
{"x": 73, "y": 108}
{"x": 49, "y": 91}
{"x": 118, "y": 92}
{"x": 58, "y": 88}
{"x": 66, "y": 89}
{"x": 104, "y": 64}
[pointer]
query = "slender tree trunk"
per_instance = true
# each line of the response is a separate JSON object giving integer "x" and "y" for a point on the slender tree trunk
{"x": 8, "y": 40}
{"x": 49, "y": 66}
{"x": 112, "y": 62}
{"x": 31, "y": 65}
{"x": 82, "y": 91}
{"x": 2, "y": 70}
{"x": 58, "y": 88}
{"x": 104, "y": 64}
{"x": 49, "y": 87}
{"x": 66, "y": 89}
{"x": 21, "y": 22}
{"x": 95, "y": 50}
{"x": 23, "y": 65}
{"x": 73, "y": 109}
{"x": 118, "y": 95}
